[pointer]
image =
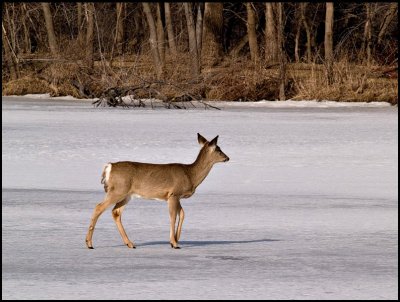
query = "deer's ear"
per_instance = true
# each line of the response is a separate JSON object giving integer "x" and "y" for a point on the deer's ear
{"x": 202, "y": 141}
{"x": 214, "y": 141}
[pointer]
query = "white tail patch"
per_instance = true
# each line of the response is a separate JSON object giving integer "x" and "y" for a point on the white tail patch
{"x": 105, "y": 176}
{"x": 107, "y": 170}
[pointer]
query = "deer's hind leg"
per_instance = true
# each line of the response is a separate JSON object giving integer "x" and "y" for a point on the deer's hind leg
{"x": 110, "y": 199}
{"x": 116, "y": 214}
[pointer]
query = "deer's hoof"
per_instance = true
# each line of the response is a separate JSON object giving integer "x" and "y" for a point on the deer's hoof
{"x": 130, "y": 245}
{"x": 89, "y": 244}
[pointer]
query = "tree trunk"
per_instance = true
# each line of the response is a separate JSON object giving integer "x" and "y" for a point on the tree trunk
{"x": 298, "y": 21}
{"x": 393, "y": 8}
{"x": 80, "y": 19}
{"x": 8, "y": 55}
{"x": 328, "y": 42}
{"x": 251, "y": 31}
{"x": 307, "y": 29}
{"x": 27, "y": 38}
{"x": 119, "y": 31}
{"x": 296, "y": 44}
{"x": 192, "y": 39}
{"x": 11, "y": 26}
{"x": 89, "y": 8}
{"x": 153, "y": 40}
{"x": 170, "y": 30}
{"x": 366, "y": 48}
{"x": 48, "y": 18}
{"x": 160, "y": 32}
{"x": 212, "y": 34}
{"x": 234, "y": 52}
{"x": 271, "y": 47}
{"x": 281, "y": 50}
{"x": 199, "y": 28}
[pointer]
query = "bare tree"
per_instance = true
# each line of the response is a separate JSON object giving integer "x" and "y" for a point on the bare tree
{"x": 281, "y": 49}
{"x": 153, "y": 40}
{"x": 26, "y": 26}
{"x": 170, "y": 30}
{"x": 9, "y": 55}
{"x": 367, "y": 40}
{"x": 307, "y": 28}
{"x": 160, "y": 32}
{"x": 9, "y": 9}
{"x": 271, "y": 47}
{"x": 297, "y": 37}
{"x": 199, "y": 27}
{"x": 234, "y": 52}
{"x": 328, "y": 42}
{"x": 48, "y": 18}
{"x": 251, "y": 31}
{"x": 192, "y": 39}
{"x": 89, "y": 11}
{"x": 80, "y": 20}
{"x": 355, "y": 33}
{"x": 390, "y": 14}
{"x": 119, "y": 30}
{"x": 212, "y": 33}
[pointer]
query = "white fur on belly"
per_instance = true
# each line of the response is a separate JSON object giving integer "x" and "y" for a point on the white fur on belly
{"x": 140, "y": 196}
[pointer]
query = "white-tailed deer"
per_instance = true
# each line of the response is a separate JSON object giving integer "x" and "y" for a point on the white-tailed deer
{"x": 169, "y": 182}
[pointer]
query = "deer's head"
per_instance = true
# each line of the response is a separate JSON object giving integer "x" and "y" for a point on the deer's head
{"x": 211, "y": 149}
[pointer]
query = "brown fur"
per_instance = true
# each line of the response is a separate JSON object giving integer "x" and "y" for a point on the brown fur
{"x": 169, "y": 182}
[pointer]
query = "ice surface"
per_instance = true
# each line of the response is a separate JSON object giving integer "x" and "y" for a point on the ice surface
{"x": 307, "y": 207}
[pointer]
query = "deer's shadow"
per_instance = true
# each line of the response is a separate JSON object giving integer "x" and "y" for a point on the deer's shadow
{"x": 200, "y": 243}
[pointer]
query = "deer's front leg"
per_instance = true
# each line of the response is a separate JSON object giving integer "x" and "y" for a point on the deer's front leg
{"x": 173, "y": 207}
{"x": 180, "y": 222}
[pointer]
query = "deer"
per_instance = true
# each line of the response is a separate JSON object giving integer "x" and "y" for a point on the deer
{"x": 166, "y": 182}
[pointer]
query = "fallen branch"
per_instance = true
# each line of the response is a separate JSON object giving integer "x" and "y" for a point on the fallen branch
{"x": 112, "y": 97}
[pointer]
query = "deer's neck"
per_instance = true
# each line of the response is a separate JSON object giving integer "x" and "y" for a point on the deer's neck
{"x": 200, "y": 168}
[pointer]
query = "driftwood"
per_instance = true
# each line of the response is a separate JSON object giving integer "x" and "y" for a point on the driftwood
{"x": 112, "y": 97}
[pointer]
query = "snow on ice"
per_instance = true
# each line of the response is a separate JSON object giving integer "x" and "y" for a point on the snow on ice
{"x": 306, "y": 208}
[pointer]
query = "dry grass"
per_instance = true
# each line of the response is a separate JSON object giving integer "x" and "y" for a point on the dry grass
{"x": 233, "y": 80}
{"x": 351, "y": 84}
{"x": 25, "y": 85}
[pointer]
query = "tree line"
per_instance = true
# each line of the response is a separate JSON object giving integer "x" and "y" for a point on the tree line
{"x": 270, "y": 34}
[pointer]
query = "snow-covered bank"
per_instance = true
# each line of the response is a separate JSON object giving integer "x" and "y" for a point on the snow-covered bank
{"x": 318, "y": 104}
{"x": 261, "y": 103}
{"x": 305, "y": 209}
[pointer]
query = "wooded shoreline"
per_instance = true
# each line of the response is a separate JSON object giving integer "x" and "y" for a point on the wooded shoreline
{"x": 202, "y": 51}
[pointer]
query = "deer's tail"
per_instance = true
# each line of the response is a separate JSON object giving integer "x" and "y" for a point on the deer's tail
{"x": 105, "y": 176}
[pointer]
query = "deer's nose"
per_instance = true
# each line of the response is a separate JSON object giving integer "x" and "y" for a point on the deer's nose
{"x": 226, "y": 159}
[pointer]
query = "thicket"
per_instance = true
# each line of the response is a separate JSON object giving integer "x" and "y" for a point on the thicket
{"x": 206, "y": 51}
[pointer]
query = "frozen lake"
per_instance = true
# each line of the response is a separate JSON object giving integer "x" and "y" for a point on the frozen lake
{"x": 306, "y": 208}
